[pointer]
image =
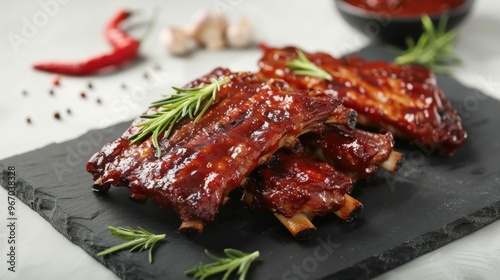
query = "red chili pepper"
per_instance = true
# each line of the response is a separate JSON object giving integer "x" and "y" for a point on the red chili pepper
{"x": 92, "y": 65}
{"x": 117, "y": 37}
{"x": 126, "y": 48}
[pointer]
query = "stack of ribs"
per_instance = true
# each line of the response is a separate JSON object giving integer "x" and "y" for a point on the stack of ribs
{"x": 288, "y": 141}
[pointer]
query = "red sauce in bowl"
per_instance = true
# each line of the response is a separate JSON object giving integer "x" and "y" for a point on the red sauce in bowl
{"x": 406, "y": 7}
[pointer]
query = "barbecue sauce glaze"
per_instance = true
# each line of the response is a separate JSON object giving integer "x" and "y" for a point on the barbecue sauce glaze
{"x": 406, "y": 7}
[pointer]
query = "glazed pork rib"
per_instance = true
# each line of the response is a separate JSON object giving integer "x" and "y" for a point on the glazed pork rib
{"x": 296, "y": 188}
{"x": 202, "y": 162}
{"x": 356, "y": 153}
{"x": 404, "y": 100}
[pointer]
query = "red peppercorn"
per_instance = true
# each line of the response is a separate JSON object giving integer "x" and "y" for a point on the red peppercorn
{"x": 56, "y": 80}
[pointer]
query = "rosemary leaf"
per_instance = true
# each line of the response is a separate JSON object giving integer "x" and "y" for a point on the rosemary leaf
{"x": 434, "y": 48}
{"x": 304, "y": 67}
{"x": 187, "y": 102}
{"x": 235, "y": 260}
{"x": 139, "y": 239}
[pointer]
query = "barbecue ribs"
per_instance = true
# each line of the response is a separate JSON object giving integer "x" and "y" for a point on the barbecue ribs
{"x": 404, "y": 100}
{"x": 295, "y": 188}
{"x": 202, "y": 162}
{"x": 354, "y": 152}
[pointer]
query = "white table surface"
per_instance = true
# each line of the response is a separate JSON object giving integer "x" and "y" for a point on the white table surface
{"x": 74, "y": 30}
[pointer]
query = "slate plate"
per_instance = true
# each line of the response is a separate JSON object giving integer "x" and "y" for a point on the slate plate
{"x": 431, "y": 202}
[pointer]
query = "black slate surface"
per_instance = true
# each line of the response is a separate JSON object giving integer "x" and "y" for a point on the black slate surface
{"x": 432, "y": 201}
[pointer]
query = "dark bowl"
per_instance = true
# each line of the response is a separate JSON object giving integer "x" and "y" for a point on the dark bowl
{"x": 394, "y": 28}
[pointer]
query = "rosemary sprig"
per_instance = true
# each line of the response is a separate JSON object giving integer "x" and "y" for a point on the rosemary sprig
{"x": 139, "y": 239}
{"x": 434, "y": 48}
{"x": 304, "y": 67}
{"x": 236, "y": 259}
{"x": 187, "y": 102}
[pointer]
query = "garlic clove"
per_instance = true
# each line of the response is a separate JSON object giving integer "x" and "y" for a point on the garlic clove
{"x": 208, "y": 29}
{"x": 212, "y": 39}
{"x": 240, "y": 35}
{"x": 176, "y": 40}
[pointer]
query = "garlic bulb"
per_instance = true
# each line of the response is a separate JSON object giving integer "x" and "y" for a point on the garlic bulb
{"x": 208, "y": 29}
{"x": 176, "y": 40}
{"x": 240, "y": 35}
